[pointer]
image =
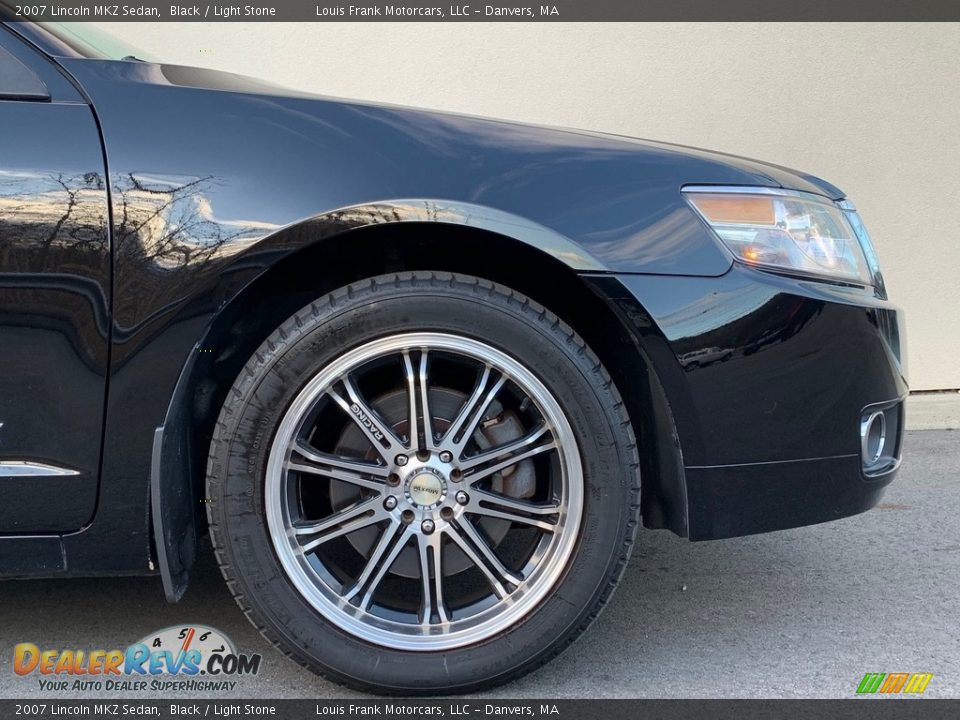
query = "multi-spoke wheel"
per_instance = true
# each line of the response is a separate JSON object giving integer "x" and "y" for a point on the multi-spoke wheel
{"x": 436, "y": 460}
{"x": 419, "y": 470}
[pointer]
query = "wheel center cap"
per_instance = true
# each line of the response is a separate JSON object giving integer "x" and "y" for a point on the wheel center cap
{"x": 426, "y": 488}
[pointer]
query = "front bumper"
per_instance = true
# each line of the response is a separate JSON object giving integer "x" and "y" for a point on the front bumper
{"x": 768, "y": 378}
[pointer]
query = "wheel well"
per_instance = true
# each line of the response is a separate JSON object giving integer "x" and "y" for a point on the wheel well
{"x": 321, "y": 267}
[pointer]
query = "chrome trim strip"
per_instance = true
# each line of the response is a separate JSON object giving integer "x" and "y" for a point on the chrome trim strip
{"x": 757, "y": 190}
{"x": 26, "y": 468}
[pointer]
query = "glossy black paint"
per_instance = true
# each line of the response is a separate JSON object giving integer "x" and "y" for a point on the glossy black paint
{"x": 764, "y": 368}
{"x": 767, "y": 378}
{"x": 215, "y": 180}
{"x": 55, "y": 304}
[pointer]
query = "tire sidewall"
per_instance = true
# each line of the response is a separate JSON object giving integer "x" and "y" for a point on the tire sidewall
{"x": 311, "y": 340}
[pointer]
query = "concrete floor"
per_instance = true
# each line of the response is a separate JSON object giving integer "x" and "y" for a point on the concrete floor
{"x": 801, "y": 613}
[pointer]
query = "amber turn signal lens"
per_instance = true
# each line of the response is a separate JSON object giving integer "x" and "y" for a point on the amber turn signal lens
{"x": 740, "y": 209}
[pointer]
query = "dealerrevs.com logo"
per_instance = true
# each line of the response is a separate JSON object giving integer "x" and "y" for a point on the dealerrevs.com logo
{"x": 182, "y": 657}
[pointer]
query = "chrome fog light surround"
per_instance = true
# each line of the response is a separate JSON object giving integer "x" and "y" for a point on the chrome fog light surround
{"x": 873, "y": 437}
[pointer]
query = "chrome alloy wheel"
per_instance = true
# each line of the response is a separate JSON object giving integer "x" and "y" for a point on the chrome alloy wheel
{"x": 424, "y": 491}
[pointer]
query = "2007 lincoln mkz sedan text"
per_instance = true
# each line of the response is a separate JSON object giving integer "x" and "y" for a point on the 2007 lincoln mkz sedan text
{"x": 422, "y": 376}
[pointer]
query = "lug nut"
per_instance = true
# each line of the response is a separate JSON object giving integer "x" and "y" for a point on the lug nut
{"x": 401, "y": 460}
{"x": 427, "y": 526}
{"x": 462, "y": 497}
{"x": 390, "y": 503}
{"x": 446, "y": 456}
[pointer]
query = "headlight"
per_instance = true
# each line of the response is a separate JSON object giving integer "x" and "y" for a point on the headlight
{"x": 778, "y": 229}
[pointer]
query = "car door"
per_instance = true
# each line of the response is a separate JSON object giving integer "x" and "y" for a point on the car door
{"x": 54, "y": 296}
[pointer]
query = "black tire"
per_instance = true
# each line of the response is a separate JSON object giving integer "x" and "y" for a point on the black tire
{"x": 408, "y": 302}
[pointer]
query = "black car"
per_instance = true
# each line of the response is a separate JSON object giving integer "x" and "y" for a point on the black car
{"x": 421, "y": 376}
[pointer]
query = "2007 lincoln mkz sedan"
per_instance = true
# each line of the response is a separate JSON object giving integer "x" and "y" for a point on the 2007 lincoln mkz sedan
{"x": 421, "y": 376}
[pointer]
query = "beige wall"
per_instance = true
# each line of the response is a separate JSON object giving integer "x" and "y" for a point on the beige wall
{"x": 874, "y": 108}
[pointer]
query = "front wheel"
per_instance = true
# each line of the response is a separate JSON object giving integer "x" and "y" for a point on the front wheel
{"x": 423, "y": 483}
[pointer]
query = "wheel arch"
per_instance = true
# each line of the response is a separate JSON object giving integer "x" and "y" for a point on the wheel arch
{"x": 334, "y": 250}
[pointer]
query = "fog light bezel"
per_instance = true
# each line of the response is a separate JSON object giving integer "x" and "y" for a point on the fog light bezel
{"x": 870, "y": 436}
{"x": 878, "y": 459}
